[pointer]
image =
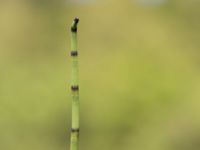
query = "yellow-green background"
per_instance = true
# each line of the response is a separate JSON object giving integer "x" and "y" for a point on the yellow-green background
{"x": 139, "y": 74}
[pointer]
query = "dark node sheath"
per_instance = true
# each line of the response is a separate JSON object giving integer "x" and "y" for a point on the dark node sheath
{"x": 74, "y": 53}
{"x": 74, "y": 88}
{"x": 74, "y": 29}
{"x": 74, "y": 130}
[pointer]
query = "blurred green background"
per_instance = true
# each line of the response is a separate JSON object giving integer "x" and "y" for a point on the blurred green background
{"x": 139, "y": 74}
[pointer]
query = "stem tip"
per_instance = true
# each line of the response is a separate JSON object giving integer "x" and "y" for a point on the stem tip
{"x": 76, "y": 20}
{"x": 74, "y": 25}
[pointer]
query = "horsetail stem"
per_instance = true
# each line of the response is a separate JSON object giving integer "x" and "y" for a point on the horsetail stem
{"x": 74, "y": 87}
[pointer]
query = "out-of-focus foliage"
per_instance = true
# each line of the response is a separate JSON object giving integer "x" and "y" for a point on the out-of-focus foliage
{"x": 139, "y": 74}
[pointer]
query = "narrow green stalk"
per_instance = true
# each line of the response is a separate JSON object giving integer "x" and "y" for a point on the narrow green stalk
{"x": 74, "y": 87}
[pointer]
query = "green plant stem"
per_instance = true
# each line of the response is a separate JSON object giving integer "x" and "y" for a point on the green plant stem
{"x": 74, "y": 88}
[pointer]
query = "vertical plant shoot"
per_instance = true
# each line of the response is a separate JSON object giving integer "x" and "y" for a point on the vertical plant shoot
{"x": 74, "y": 87}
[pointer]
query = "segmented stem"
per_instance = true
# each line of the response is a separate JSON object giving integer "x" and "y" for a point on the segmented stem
{"x": 74, "y": 87}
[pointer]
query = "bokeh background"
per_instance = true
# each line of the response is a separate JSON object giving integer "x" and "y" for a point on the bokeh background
{"x": 139, "y": 74}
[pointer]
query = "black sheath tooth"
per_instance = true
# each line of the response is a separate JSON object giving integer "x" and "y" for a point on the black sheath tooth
{"x": 74, "y": 88}
{"x": 74, "y": 53}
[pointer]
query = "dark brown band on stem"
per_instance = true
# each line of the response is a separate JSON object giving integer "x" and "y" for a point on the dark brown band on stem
{"x": 75, "y": 130}
{"x": 74, "y": 88}
{"x": 74, "y": 29}
{"x": 74, "y": 53}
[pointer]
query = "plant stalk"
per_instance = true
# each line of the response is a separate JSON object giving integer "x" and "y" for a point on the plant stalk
{"x": 74, "y": 87}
